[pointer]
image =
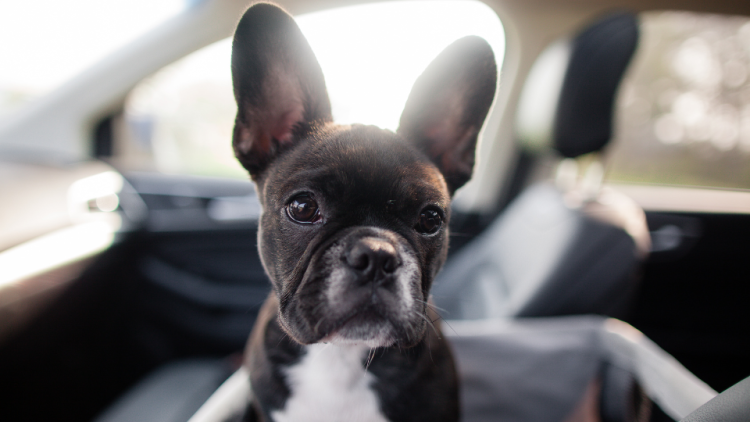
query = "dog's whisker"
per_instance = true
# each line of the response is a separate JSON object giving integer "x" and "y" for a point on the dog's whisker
{"x": 431, "y": 305}
{"x": 430, "y": 323}
{"x": 322, "y": 349}
{"x": 445, "y": 321}
{"x": 317, "y": 326}
{"x": 371, "y": 355}
{"x": 319, "y": 306}
{"x": 435, "y": 308}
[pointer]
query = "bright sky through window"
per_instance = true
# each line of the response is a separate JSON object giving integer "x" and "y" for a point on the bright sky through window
{"x": 372, "y": 54}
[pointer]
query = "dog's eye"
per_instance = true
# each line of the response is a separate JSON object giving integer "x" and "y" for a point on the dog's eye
{"x": 429, "y": 221}
{"x": 303, "y": 209}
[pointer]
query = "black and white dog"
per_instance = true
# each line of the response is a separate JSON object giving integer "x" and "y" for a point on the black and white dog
{"x": 353, "y": 231}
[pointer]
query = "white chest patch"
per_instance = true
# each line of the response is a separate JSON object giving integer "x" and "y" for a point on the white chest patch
{"x": 329, "y": 384}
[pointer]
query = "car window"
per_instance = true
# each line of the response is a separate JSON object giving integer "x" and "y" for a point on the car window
{"x": 50, "y": 41}
{"x": 684, "y": 107}
{"x": 180, "y": 119}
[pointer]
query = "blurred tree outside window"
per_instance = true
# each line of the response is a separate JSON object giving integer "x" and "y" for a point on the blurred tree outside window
{"x": 684, "y": 107}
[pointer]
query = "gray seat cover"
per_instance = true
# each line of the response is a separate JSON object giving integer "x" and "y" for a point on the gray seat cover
{"x": 532, "y": 370}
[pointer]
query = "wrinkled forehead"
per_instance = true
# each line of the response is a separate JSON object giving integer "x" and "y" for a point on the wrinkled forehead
{"x": 360, "y": 162}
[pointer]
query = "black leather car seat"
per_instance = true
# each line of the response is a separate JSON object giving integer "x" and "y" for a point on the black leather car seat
{"x": 569, "y": 247}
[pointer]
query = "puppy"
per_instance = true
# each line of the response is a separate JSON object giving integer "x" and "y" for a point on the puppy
{"x": 353, "y": 231}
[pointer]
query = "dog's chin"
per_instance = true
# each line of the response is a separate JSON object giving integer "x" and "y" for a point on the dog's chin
{"x": 379, "y": 341}
{"x": 368, "y": 334}
{"x": 375, "y": 331}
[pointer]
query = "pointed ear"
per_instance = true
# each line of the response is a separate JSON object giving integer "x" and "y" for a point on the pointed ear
{"x": 447, "y": 107}
{"x": 278, "y": 85}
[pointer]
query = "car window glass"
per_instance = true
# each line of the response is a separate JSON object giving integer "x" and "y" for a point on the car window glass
{"x": 684, "y": 107}
{"x": 50, "y": 41}
{"x": 180, "y": 119}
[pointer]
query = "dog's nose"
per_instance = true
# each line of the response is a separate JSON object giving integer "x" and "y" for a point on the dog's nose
{"x": 373, "y": 258}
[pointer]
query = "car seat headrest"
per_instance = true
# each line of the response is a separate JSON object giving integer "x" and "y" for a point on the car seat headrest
{"x": 568, "y": 98}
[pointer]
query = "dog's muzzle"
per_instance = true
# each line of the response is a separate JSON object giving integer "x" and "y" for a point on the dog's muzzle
{"x": 371, "y": 289}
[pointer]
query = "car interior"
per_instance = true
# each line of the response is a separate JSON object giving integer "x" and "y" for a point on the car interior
{"x": 567, "y": 295}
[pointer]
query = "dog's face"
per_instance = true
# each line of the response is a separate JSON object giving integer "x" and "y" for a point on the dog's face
{"x": 352, "y": 234}
{"x": 355, "y": 218}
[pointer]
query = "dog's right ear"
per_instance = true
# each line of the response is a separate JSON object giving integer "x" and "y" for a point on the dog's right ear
{"x": 278, "y": 85}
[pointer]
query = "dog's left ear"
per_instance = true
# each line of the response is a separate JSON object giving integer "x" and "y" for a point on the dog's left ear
{"x": 447, "y": 106}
